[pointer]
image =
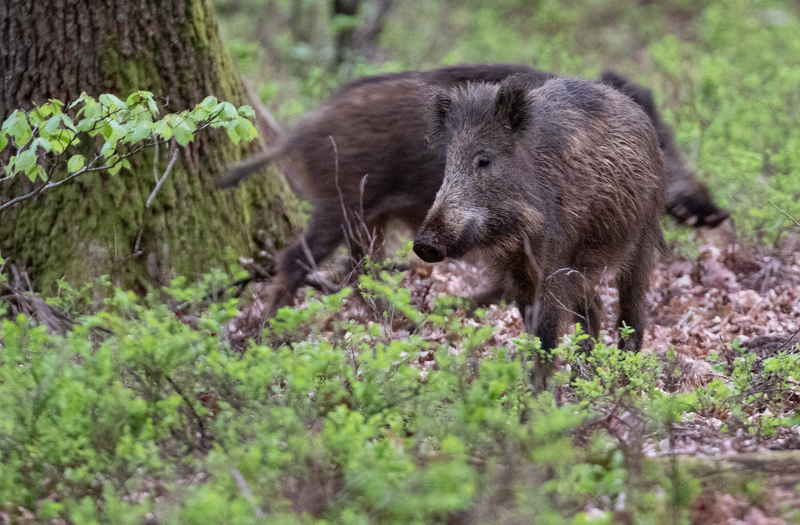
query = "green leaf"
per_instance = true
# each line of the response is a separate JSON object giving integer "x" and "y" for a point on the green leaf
{"x": 63, "y": 139}
{"x": 18, "y": 127}
{"x": 35, "y": 172}
{"x": 199, "y": 114}
{"x": 187, "y": 122}
{"x": 11, "y": 120}
{"x": 67, "y": 121}
{"x": 226, "y": 110}
{"x": 85, "y": 124}
{"x": 134, "y": 99}
{"x": 52, "y": 125}
{"x": 3, "y": 141}
{"x": 162, "y": 129}
{"x": 75, "y": 163}
{"x": 111, "y": 101}
{"x": 114, "y": 165}
{"x": 233, "y": 135}
{"x": 108, "y": 149}
{"x": 113, "y": 131}
{"x": 209, "y": 103}
{"x": 39, "y": 114}
{"x": 80, "y": 99}
{"x": 91, "y": 109}
{"x": 183, "y": 135}
{"x": 25, "y": 160}
{"x": 247, "y": 111}
{"x": 140, "y": 132}
{"x": 40, "y": 142}
{"x": 246, "y": 130}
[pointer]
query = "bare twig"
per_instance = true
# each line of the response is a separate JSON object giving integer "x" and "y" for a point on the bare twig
{"x": 244, "y": 488}
{"x": 27, "y": 302}
{"x": 155, "y": 162}
{"x": 200, "y": 425}
{"x": 789, "y": 340}
{"x": 160, "y": 181}
{"x": 786, "y": 214}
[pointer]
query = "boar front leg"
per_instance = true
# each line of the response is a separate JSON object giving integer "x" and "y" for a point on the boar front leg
{"x": 633, "y": 281}
{"x": 321, "y": 239}
{"x": 543, "y": 316}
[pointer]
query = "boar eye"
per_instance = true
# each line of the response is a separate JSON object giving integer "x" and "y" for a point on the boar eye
{"x": 484, "y": 162}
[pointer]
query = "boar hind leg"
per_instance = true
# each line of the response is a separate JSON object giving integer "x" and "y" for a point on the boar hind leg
{"x": 633, "y": 280}
{"x": 321, "y": 239}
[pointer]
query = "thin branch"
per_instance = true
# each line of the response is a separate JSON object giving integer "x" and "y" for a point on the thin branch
{"x": 155, "y": 162}
{"x": 791, "y": 338}
{"x": 87, "y": 169}
{"x": 201, "y": 426}
{"x": 160, "y": 181}
{"x": 244, "y": 488}
{"x": 787, "y": 215}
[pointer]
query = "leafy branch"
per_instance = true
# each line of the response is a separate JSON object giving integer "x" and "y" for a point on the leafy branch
{"x": 44, "y": 138}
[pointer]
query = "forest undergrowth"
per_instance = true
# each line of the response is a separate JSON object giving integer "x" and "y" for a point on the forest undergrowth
{"x": 399, "y": 404}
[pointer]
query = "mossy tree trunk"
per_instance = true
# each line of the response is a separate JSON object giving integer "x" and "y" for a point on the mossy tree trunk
{"x": 60, "y": 48}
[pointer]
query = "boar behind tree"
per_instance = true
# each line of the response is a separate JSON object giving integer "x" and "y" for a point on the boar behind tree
{"x": 376, "y": 127}
{"x": 554, "y": 185}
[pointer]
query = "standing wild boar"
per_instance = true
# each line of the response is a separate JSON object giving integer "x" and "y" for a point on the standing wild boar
{"x": 375, "y": 127}
{"x": 554, "y": 185}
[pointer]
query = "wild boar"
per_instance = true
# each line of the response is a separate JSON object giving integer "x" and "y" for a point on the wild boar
{"x": 554, "y": 185}
{"x": 375, "y": 127}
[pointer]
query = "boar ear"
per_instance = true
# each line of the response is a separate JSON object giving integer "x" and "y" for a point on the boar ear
{"x": 512, "y": 106}
{"x": 439, "y": 101}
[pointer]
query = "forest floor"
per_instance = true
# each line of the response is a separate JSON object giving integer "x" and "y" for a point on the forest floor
{"x": 698, "y": 306}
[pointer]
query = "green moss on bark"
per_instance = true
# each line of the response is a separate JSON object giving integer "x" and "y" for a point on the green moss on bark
{"x": 99, "y": 224}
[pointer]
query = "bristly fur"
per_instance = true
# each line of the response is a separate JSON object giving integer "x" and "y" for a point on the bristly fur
{"x": 380, "y": 126}
{"x": 438, "y": 104}
{"x": 555, "y": 185}
{"x": 513, "y": 106}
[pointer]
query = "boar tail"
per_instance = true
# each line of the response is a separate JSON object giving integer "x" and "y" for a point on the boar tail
{"x": 238, "y": 173}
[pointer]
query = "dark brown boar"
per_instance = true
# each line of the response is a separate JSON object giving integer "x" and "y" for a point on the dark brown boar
{"x": 375, "y": 127}
{"x": 554, "y": 185}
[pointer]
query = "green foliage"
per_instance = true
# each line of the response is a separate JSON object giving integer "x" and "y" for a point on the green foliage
{"x": 145, "y": 408}
{"x": 732, "y": 95}
{"x": 44, "y": 139}
{"x": 138, "y": 399}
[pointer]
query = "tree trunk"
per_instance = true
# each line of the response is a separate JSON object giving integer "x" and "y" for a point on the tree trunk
{"x": 99, "y": 224}
{"x": 344, "y": 37}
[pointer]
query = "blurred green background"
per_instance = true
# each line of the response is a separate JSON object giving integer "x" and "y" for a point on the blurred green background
{"x": 726, "y": 73}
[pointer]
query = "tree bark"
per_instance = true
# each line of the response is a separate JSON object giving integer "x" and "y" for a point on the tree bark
{"x": 99, "y": 224}
{"x": 344, "y": 37}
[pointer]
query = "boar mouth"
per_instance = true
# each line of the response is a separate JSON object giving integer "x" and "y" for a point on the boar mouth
{"x": 430, "y": 248}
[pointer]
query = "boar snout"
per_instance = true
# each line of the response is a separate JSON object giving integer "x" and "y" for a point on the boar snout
{"x": 436, "y": 241}
{"x": 426, "y": 247}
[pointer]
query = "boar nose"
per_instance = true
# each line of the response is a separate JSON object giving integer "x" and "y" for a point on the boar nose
{"x": 428, "y": 252}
